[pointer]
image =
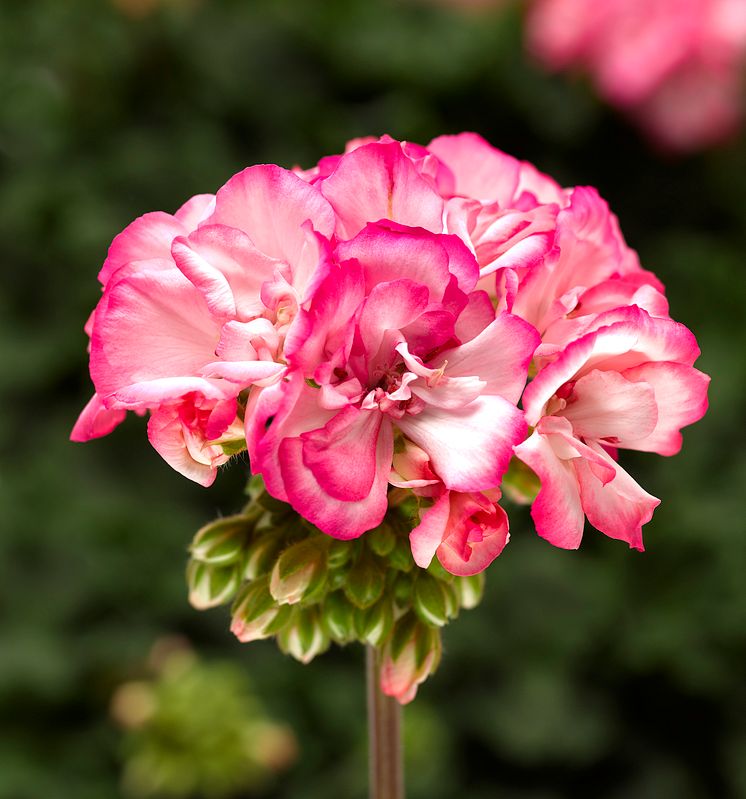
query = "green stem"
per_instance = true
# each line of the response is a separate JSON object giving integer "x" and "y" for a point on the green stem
{"x": 385, "y": 770}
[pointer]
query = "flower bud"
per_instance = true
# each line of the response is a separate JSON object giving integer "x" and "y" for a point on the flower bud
{"x": 254, "y": 612}
{"x": 221, "y": 542}
{"x": 520, "y": 483}
{"x": 470, "y": 590}
{"x": 338, "y": 616}
{"x": 210, "y": 586}
{"x": 261, "y": 555}
{"x": 365, "y": 582}
{"x": 429, "y": 600}
{"x": 409, "y": 657}
{"x": 300, "y": 570}
{"x": 303, "y": 636}
{"x": 381, "y": 540}
{"x": 373, "y": 625}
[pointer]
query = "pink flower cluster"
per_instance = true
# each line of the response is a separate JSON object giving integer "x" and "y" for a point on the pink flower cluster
{"x": 373, "y": 322}
{"x": 677, "y": 66}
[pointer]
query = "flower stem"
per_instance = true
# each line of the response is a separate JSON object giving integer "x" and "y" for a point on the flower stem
{"x": 385, "y": 770}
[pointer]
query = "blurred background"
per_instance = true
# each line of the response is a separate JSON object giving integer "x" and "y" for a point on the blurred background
{"x": 598, "y": 673}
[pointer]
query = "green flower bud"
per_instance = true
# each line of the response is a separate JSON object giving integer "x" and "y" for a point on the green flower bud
{"x": 221, "y": 542}
{"x": 470, "y": 590}
{"x": 339, "y": 553}
{"x": 253, "y": 611}
{"x": 303, "y": 636}
{"x": 300, "y": 570}
{"x": 365, "y": 582}
{"x": 338, "y": 616}
{"x": 373, "y": 625}
{"x": 261, "y": 554}
{"x": 410, "y": 655}
{"x": 210, "y": 586}
{"x": 429, "y": 600}
{"x": 381, "y": 540}
{"x": 520, "y": 483}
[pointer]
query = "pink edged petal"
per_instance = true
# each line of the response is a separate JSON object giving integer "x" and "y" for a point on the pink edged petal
{"x": 284, "y": 410}
{"x": 616, "y": 340}
{"x": 388, "y": 253}
{"x": 617, "y": 508}
{"x": 182, "y": 450}
{"x": 482, "y": 172}
{"x": 377, "y": 181}
{"x": 149, "y": 236}
{"x": 151, "y": 393}
{"x": 271, "y": 205}
{"x": 195, "y": 210}
{"x": 241, "y": 340}
{"x": 389, "y": 306}
{"x": 430, "y": 532}
{"x": 557, "y": 511}
{"x": 478, "y": 314}
{"x": 606, "y": 405}
{"x": 499, "y": 355}
{"x": 95, "y": 420}
{"x": 469, "y": 447}
{"x": 327, "y": 324}
{"x": 150, "y": 325}
{"x": 681, "y": 396}
{"x": 244, "y": 373}
{"x": 342, "y": 454}
{"x": 336, "y": 517}
{"x": 226, "y": 267}
{"x": 477, "y": 534}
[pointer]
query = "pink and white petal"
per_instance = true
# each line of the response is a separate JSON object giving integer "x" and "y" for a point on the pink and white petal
{"x": 152, "y": 393}
{"x": 175, "y": 445}
{"x": 478, "y": 314}
{"x": 389, "y": 306}
{"x": 96, "y": 420}
{"x": 470, "y": 447}
{"x": 244, "y": 373}
{"x": 481, "y": 171}
{"x": 377, "y": 181}
{"x": 149, "y": 236}
{"x": 606, "y": 405}
{"x": 393, "y": 252}
{"x": 337, "y": 517}
{"x": 241, "y": 339}
{"x": 499, "y": 355}
{"x": 342, "y": 454}
{"x": 681, "y": 396}
{"x": 557, "y": 510}
{"x": 428, "y": 535}
{"x": 617, "y": 508}
{"x": 271, "y": 205}
{"x": 616, "y": 340}
{"x": 195, "y": 210}
{"x": 450, "y": 392}
{"x": 328, "y": 323}
{"x": 148, "y": 326}
{"x": 224, "y": 264}
{"x": 278, "y": 412}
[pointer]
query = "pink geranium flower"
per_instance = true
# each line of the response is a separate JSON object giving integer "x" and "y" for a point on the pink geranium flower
{"x": 627, "y": 383}
{"x": 386, "y": 350}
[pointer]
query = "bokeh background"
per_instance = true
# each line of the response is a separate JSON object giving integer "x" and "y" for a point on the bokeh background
{"x": 601, "y": 673}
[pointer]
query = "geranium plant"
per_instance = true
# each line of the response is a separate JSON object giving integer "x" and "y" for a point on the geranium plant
{"x": 397, "y": 337}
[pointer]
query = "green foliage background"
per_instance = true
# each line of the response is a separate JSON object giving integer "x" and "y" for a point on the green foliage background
{"x": 600, "y": 673}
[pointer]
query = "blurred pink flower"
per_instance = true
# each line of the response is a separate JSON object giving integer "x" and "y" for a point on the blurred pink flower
{"x": 676, "y": 66}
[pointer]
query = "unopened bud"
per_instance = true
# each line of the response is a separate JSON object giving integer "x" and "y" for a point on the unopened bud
{"x": 210, "y": 586}
{"x": 221, "y": 542}
{"x": 381, "y": 540}
{"x": 520, "y": 483}
{"x": 470, "y": 590}
{"x": 365, "y": 582}
{"x": 261, "y": 555}
{"x": 409, "y": 657}
{"x": 303, "y": 637}
{"x": 429, "y": 600}
{"x": 253, "y": 612}
{"x": 374, "y": 624}
{"x": 300, "y": 570}
{"x": 338, "y": 617}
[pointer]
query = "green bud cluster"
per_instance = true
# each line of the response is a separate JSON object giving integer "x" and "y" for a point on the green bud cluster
{"x": 286, "y": 579}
